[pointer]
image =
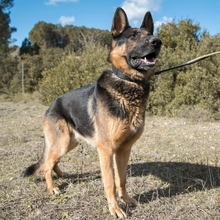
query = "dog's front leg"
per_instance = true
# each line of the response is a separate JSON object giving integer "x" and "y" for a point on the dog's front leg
{"x": 106, "y": 164}
{"x": 121, "y": 160}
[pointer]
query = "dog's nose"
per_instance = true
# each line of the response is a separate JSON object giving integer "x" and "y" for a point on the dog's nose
{"x": 155, "y": 41}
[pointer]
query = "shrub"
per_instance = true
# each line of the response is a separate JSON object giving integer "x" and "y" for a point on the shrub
{"x": 195, "y": 87}
{"x": 73, "y": 71}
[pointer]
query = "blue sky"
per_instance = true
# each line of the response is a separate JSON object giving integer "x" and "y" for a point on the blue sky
{"x": 98, "y": 13}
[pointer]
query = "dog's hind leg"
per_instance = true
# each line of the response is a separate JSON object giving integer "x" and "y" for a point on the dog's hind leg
{"x": 73, "y": 143}
{"x": 59, "y": 140}
{"x": 57, "y": 170}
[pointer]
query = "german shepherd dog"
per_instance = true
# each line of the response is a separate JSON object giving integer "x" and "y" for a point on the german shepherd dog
{"x": 109, "y": 114}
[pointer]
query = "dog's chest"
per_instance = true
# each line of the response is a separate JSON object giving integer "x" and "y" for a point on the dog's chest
{"x": 134, "y": 101}
{"x": 128, "y": 103}
{"x": 131, "y": 106}
{"x": 121, "y": 103}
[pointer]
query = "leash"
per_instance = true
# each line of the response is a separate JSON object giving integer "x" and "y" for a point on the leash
{"x": 158, "y": 72}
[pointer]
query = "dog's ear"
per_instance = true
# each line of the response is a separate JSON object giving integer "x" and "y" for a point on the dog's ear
{"x": 148, "y": 23}
{"x": 119, "y": 23}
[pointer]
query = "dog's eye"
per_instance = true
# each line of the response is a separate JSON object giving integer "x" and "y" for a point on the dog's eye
{"x": 133, "y": 35}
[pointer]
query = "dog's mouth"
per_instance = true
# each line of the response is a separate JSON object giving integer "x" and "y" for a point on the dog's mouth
{"x": 146, "y": 62}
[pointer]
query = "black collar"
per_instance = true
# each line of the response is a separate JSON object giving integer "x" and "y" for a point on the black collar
{"x": 120, "y": 74}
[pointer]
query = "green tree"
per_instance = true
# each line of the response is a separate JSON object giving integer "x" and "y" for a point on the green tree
{"x": 200, "y": 85}
{"x": 6, "y": 30}
{"x": 47, "y": 35}
{"x": 8, "y": 68}
{"x": 79, "y": 37}
{"x": 32, "y": 67}
{"x": 42, "y": 34}
{"x": 28, "y": 48}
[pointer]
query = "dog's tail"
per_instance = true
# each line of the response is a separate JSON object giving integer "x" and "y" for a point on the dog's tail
{"x": 31, "y": 170}
{"x": 34, "y": 168}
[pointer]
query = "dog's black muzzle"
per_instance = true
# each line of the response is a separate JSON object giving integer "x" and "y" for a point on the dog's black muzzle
{"x": 144, "y": 56}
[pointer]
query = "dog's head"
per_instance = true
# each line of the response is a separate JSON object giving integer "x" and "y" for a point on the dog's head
{"x": 134, "y": 50}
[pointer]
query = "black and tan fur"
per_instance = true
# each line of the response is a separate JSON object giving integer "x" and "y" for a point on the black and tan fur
{"x": 108, "y": 114}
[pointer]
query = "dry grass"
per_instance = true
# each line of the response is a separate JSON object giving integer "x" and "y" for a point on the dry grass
{"x": 174, "y": 171}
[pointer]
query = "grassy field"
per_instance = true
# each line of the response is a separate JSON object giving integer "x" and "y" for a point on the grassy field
{"x": 174, "y": 171}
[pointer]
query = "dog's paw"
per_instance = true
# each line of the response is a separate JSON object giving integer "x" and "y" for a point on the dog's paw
{"x": 54, "y": 190}
{"x": 116, "y": 211}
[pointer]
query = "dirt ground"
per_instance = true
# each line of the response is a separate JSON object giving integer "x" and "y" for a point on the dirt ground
{"x": 173, "y": 173}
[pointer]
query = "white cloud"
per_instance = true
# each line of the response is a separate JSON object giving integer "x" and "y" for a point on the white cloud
{"x": 136, "y": 9}
{"x": 66, "y": 20}
{"x": 54, "y": 2}
{"x": 164, "y": 20}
